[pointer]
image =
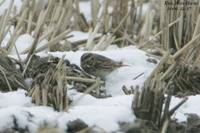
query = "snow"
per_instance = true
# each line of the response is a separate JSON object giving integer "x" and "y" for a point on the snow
{"x": 23, "y": 42}
{"x": 85, "y": 8}
{"x": 191, "y": 106}
{"x": 5, "y": 5}
{"x": 77, "y": 36}
{"x": 123, "y": 76}
{"x": 8, "y": 100}
{"x": 102, "y": 109}
{"x": 104, "y": 113}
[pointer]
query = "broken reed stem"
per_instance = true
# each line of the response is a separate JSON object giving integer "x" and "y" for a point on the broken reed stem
{"x": 60, "y": 62}
{"x": 197, "y": 31}
{"x": 33, "y": 46}
{"x": 94, "y": 86}
{"x": 27, "y": 64}
{"x": 54, "y": 41}
{"x": 51, "y": 88}
{"x": 167, "y": 114}
{"x": 44, "y": 94}
{"x": 125, "y": 90}
{"x": 171, "y": 112}
{"x": 157, "y": 69}
{"x": 5, "y": 21}
{"x": 37, "y": 95}
{"x": 104, "y": 42}
{"x": 2, "y": 2}
{"x": 121, "y": 22}
{"x": 43, "y": 17}
{"x": 86, "y": 130}
{"x": 19, "y": 58}
{"x": 76, "y": 43}
{"x": 186, "y": 47}
{"x": 169, "y": 70}
{"x": 135, "y": 104}
{"x": 165, "y": 126}
{"x": 50, "y": 43}
{"x": 146, "y": 30}
{"x": 166, "y": 108}
{"x": 88, "y": 80}
{"x": 30, "y": 20}
{"x": 14, "y": 36}
{"x": 99, "y": 44}
{"x": 95, "y": 6}
{"x": 59, "y": 23}
{"x": 159, "y": 33}
{"x": 138, "y": 76}
{"x": 90, "y": 42}
{"x": 47, "y": 34}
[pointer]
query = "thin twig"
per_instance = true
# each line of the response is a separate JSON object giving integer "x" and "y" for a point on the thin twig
{"x": 88, "y": 80}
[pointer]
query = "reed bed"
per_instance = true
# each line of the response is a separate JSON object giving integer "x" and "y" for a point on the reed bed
{"x": 56, "y": 19}
{"x": 178, "y": 71}
{"x": 173, "y": 34}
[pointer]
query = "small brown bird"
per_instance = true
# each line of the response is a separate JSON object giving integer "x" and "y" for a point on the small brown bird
{"x": 98, "y": 65}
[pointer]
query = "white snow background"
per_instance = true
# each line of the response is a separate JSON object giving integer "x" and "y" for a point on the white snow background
{"x": 103, "y": 113}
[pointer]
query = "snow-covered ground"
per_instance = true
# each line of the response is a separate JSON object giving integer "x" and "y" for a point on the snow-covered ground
{"x": 104, "y": 113}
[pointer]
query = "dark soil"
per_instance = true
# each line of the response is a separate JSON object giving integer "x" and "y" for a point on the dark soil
{"x": 76, "y": 125}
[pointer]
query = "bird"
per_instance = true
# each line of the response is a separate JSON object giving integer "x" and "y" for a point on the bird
{"x": 99, "y": 65}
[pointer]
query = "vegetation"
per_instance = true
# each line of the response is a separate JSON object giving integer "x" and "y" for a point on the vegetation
{"x": 171, "y": 32}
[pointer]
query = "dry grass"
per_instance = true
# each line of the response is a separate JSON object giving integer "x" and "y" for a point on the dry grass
{"x": 51, "y": 88}
{"x": 174, "y": 34}
{"x": 179, "y": 37}
{"x": 53, "y": 22}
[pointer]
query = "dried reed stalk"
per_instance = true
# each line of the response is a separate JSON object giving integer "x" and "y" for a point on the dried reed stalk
{"x": 83, "y": 79}
{"x": 54, "y": 41}
{"x": 104, "y": 42}
{"x": 51, "y": 88}
{"x": 5, "y": 21}
{"x": 154, "y": 78}
{"x": 95, "y": 10}
{"x": 93, "y": 87}
{"x": 147, "y": 27}
{"x": 14, "y": 36}
{"x": 2, "y": 2}
{"x": 190, "y": 44}
{"x": 105, "y": 16}
{"x": 90, "y": 42}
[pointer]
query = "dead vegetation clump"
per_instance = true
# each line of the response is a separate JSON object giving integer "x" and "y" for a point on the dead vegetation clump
{"x": 177, "y": 73}
{"x": 173, "y": 34}
{"x": 10, "y": 78}
{"x": 119, "y": 22}
{"x": 52, "y": 77}
{"x": 51, "y": 88}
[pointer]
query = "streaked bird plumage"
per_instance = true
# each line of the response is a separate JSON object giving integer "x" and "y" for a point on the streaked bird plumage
{"x": 98, "y": 65}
